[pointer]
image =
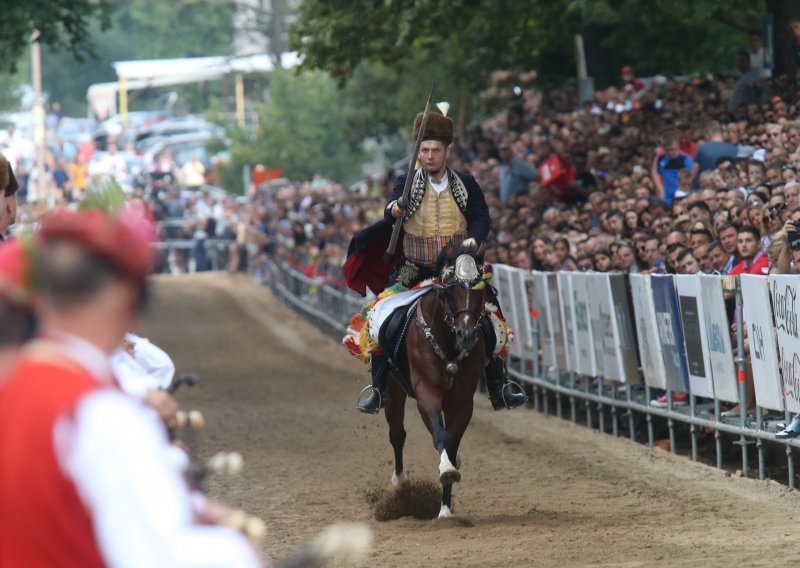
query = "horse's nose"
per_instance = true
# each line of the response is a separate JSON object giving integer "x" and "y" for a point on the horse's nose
{"x": 465, "y": 339}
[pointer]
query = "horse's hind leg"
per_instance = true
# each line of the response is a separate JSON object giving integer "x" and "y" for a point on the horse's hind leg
{"x": 395, "y": 412}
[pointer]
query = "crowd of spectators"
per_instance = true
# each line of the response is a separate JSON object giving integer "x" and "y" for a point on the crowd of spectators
{"x": 675, "y": 176}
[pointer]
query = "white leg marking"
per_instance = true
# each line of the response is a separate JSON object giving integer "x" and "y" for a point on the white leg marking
{"x": 447, "y": 472}
{"x": 445, "y": 512}
{"x": 399, "y": 481}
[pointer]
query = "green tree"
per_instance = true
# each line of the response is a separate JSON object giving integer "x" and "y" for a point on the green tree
{"x": 64, "y": 24}
{"x": 304, "y": 130}
{"x": 667, "y": 36}
{"x": 142, "y": 29}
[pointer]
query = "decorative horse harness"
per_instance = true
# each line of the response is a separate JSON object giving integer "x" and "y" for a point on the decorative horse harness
{"x": 465, "y": 274}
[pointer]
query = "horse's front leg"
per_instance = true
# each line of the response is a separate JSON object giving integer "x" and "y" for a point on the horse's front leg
{"x": 395, "y": 414}
{"x": 429, "y": 402}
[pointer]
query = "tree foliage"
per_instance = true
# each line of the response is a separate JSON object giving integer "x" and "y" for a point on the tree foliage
{"x": 665, "y": 36}
{"x": 63, "y": 24}
{"x": 305, "y": 130}
{"x": 142, "y": 29}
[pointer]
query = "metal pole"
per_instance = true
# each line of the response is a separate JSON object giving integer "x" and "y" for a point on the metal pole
{"x": 631, "y": 422}
{"x": 601, "y": 415}
{"x": 649, "y": 417}
{"x": 588, "y": 404}
{"x": 240, "y": 100}
{"x": 742, "y": 376}
{"x": 123, "y": 102}
{"x": 559, "y": 410}
{"x": 573, "y": 404}
{"x": 38, "y": 189}
{"x": 717, "y": 433}
{"x": 760, "y": 444}
{"x": 614, "y": 411}
{"x": 670, "y": 423}
{"x": 693, "y": 426}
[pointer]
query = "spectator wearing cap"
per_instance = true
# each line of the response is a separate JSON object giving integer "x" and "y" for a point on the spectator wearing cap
{"x": 753, "y": 260}
{"x": 629, "y": 82}
{"x": 712, "y": 150}
{"x": 668, "y": 166}
{"x": 515, "y": 174}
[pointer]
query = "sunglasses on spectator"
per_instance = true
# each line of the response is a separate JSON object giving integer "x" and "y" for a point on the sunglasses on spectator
{"x": 585, "y": 267}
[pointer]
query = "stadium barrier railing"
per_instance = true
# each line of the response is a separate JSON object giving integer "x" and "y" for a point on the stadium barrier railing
{"x": 606, "y": 345}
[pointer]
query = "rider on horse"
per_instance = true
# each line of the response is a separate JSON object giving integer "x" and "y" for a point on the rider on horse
{"x": 444, "y": 207}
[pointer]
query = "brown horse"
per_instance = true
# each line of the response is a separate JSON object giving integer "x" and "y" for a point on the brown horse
{"x": 446, "y": 358}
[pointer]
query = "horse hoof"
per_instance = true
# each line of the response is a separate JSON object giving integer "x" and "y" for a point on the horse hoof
{"x": 399, "y": 481}
{"x": 449, "y": 476}
{"x": 445, "y": 512}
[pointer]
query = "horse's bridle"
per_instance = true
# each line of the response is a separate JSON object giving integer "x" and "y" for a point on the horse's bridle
{"x": 449, "y": 315}
{"x": 450, "y": 365}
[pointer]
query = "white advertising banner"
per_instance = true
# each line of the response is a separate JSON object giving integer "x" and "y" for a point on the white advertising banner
{"x": 690, "y": 305}
{"x": 557, "y": 321}
{"x": 583, "y": 329}
{"x": 568, "y": 321}
{"x": 718, "y": 337}
{"x": 763, "y": 348}
{"x": 598, "y": 317}
{"x": 784, "y": 303}
{"x": 522, "y": 315}
{"x": 647, "y": 329}
{"x": 544, "y": 308}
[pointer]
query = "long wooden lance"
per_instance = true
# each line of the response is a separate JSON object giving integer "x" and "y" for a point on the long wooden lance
{"x": 403, "y": 201}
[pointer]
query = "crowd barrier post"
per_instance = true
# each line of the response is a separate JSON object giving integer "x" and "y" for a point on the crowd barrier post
{"x": 741, "y": 376}
{"x": 692, "y": 425}
{"x": 717, "y": 433}
{"x": 651, "y": 441}
{"x": 573, "y": 403}
{"x": 671, "y": 422}
{"x": 629, "y": 413}
{"x": 601, "y": 415}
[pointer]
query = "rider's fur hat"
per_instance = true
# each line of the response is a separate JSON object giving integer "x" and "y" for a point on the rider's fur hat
{"x": 438, "y": 127}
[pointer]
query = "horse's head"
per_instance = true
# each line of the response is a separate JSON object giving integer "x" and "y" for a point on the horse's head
{"x": 463, "y": 292}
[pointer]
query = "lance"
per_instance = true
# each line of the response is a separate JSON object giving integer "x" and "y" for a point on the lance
{"x": 403, "y": 201}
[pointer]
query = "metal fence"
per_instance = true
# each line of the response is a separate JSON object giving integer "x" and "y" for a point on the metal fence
{"x": 185, "y": 255}
{"x": 553, "y": 332}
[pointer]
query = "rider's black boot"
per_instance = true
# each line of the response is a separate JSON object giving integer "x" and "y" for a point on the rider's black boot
{"x": 377, "y": 394}
{"x": 501, "y": 388}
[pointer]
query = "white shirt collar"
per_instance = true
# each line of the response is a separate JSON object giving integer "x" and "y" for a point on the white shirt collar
{"x": 441, "y": 185}
{"x": 86, "y": 354}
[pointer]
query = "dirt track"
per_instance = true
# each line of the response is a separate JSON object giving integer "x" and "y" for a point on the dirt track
{"x": 536, "y": 490}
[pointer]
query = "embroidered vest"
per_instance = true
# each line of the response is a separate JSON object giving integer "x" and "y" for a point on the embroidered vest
{"x": 438, "y": 215}
{"x": 42, "y": 519}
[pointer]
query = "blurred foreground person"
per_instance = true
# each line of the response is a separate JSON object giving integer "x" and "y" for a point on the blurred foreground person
{"x": 17, "y": 321}
{"x": 85, "y": 473}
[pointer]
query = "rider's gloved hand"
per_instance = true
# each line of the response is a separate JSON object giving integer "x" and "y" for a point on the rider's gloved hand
{"x": 470, "y": 242}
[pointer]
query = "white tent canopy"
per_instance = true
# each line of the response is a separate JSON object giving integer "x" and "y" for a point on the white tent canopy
{"x": 147, "y": 73}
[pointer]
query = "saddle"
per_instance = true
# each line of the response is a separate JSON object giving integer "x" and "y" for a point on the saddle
{"x": 392, "y": 339}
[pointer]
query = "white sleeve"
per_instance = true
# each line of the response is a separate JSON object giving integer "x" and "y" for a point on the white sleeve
{"x": 155, "y": 361}
{"x": 131, "y": 378}
{"x": 118, "y": 457}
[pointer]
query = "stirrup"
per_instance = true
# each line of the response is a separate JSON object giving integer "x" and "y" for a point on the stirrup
{"x": 519, "y": 387}
{"x": 368, "y": 389}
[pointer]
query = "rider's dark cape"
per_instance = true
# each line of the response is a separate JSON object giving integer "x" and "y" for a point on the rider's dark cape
{"x": 364, "y": 267}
